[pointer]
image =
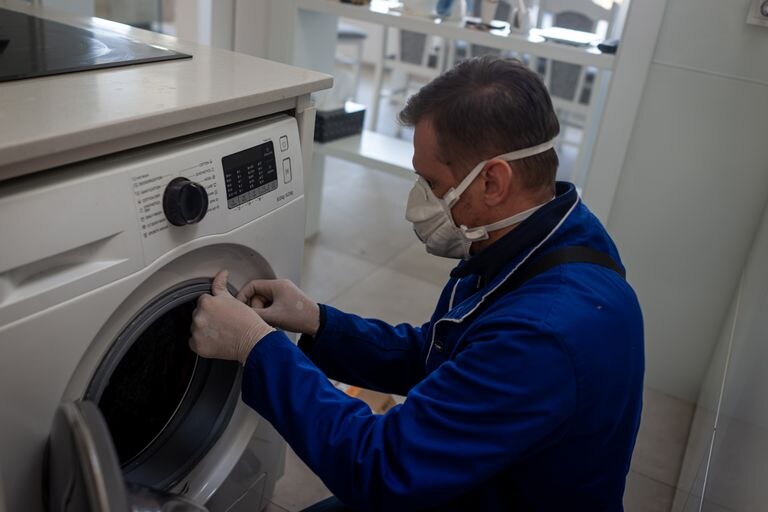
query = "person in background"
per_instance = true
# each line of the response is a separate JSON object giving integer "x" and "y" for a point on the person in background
{"x": 524, "y": 388}
{"x": 444, "y": 8}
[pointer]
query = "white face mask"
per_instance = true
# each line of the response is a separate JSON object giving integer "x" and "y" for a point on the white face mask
{"x": 432, "y": 219}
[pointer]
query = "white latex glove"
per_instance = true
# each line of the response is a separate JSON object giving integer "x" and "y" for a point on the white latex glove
{"x": 282, "y": 304}
{"x": 223, "y": 327}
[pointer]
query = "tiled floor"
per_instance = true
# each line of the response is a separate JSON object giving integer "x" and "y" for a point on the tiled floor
{"x": 367, "y": 260}
{"x": 658, "y": 453}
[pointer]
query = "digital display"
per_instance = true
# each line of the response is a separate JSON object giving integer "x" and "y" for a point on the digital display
{"x": 249, "y": 174}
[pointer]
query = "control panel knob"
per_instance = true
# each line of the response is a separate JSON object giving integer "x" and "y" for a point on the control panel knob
{"x": 184, "y": 202}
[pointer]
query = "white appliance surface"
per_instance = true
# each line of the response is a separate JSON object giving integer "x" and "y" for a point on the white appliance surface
{"x": 85, "y": 249}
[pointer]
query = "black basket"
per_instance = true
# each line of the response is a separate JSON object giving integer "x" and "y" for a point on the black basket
{"x": 336, "y": 124}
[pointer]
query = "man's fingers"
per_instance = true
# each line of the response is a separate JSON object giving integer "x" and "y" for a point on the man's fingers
{"x": 219, "y": 286}
{"x": 260, "y": 288}
{"x": 257, "y": 302}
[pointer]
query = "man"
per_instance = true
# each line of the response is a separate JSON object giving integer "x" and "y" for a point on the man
{"x": 523, "y": 390}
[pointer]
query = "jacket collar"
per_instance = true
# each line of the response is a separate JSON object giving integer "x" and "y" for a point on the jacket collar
{"x": 493, "y": 259}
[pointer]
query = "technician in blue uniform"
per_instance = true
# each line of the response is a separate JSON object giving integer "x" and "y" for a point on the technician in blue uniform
{"x": 524, "y": 389}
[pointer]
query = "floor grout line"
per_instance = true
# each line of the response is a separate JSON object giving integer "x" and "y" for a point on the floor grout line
{"x": 283, "y": 509}
{"x": 649, "y": 477}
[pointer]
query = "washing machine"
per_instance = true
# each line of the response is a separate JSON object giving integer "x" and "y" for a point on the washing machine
{"x": 102, "y": 404}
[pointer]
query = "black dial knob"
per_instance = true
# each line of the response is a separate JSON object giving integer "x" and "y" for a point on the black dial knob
{"x": 184, "y": 202}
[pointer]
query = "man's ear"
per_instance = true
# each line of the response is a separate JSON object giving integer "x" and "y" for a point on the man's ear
{"x": 498, "y": 178}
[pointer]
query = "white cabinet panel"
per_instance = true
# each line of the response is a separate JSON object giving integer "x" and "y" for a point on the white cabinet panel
{"x": 713, "y": 35}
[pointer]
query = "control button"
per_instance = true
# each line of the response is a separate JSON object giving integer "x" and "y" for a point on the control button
{"x": 184, "y": 202}
{"x": 287, "y": 174}
{"x": 284, "y": 143}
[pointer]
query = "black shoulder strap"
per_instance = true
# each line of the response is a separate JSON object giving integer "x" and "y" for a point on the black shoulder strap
{"x": 570, "y": 254}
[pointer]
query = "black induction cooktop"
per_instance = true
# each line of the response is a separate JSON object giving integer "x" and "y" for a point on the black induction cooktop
{"x": 33, "y": 47}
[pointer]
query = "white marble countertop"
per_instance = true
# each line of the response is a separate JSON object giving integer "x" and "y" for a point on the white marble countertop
{"x": 71, "y": 114}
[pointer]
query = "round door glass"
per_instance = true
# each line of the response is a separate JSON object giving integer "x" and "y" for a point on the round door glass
{"x": 150, "y": 383}
{"x": 164, "y": 405}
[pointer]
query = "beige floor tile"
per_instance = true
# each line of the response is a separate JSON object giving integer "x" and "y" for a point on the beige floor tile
{"x": 415, "y": 262}
{"x": 390, "y": 296}
{"x": 299, "y": 487}
{"x": 663, "y": 436}
{"x": 328, "y": 272}
{"x": 708, "y": 506}
{"x": 363, "y": 212}
{"x": 370, "y": 236}
{"x": 271, "y": 507}
{"x": 644, "y": 494}
{"x": 684, "y": 501}
{"x": 689, "y": 502}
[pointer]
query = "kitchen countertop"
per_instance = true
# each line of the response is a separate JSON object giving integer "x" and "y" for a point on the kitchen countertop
{"x": 60, "y": 119}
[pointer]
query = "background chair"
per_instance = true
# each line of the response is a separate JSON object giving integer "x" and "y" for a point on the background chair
{"x": 571, "y": 86}
{"x": 569, "y": 83}
{"x": 349, "y": 35}
{"x": 417, "y": 60}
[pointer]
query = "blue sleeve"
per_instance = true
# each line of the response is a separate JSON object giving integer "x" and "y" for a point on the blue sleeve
{"x": 502, "y": 397}
{"x": 366, "y": 352}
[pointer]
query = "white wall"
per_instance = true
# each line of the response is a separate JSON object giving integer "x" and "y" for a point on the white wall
{"x": 737, "y": 471}
{"x": 694, "y": 183}
{"x": 251, "y": 27}
{"x": 209, "y": 22}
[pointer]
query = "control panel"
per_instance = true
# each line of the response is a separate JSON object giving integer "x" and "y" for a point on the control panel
{"x": 216, "y": 182}
{"x": 167, "y": 199}
{"x": 250, "y": 173}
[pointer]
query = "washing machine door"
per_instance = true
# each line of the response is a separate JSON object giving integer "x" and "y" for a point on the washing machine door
{"x": 83, "y": 470}
{"x": 83, "y": 473}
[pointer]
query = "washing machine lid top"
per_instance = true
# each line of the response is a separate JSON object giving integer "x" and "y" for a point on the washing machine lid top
{"x": 83, "y": 470}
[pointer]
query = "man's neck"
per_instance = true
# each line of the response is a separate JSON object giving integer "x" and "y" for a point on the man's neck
{"x": 525, "y": 203}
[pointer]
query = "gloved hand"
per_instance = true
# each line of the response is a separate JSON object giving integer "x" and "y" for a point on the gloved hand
{"x": 223, "y": 327}
{"x": 282, "y": 304}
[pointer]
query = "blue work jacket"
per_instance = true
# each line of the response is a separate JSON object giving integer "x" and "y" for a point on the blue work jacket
{"x": 526, "y": 400}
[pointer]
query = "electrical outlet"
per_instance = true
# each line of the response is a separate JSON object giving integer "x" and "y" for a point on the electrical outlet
{"x": 758, "y": 13}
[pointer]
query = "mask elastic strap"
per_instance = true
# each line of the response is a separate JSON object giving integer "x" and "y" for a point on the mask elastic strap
{"x": 450, "y": 197}
{"x": 526, "y": 152}
{"x": 510, "y": 221}
{"x": 481, "y": 232}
